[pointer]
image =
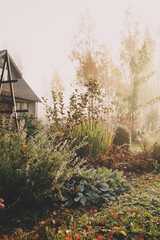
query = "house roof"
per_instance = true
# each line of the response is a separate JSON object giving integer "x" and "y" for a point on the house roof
{"x": 14, "y": 69}
{"x": 22, "y": 89}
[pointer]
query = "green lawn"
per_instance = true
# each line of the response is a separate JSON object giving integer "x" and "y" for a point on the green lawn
{"x": 134, "y": 215}
{"x": 135, "y": 148}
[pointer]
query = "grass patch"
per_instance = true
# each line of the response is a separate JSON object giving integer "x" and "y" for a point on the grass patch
{"x": 134, "y": 215}
{"x": 135, "y": 148}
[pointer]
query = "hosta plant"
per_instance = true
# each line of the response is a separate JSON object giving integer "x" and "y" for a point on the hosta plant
{"x": 93, "y": 186}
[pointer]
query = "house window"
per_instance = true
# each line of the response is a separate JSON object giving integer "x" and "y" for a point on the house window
{"x": 18, "y": 106}
{"x": 24, "y": 106}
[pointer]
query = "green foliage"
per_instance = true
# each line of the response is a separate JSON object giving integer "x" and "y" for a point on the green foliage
{"x": 95, "y": 96}
{"x": 12, "y": 165}
{"x": 84, "y": 112}
{"x": 148, "y": 140}
{"x": 152, "y": 118}
{"x": 121, "y": 158}
{"x": 97, "y": 136}
{"x": 82, "y": 106}
{"x": 136, "y": 61}
{"x": 135, "y": 147}
{"x": 81, "y": 120}
{"x": 156, "y": 151}
{"x": 134, "y": 215}
{"x": 93, "y": 186}
{"x": 31, "y": 169}
{"x": 31, "y": 125}
{"x": 122, "y": 136}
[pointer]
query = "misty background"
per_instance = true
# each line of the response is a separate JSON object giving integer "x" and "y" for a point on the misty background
{"x": 41, "y": 35}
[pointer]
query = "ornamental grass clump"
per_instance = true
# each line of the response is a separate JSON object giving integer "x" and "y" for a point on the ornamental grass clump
{"x": 97, "y": 137}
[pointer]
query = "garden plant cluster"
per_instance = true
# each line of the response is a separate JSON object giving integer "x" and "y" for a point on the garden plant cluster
{"x": 77, "y": 177}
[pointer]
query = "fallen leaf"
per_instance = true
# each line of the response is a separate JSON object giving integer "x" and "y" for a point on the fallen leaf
{"x": 84, "y": 215}
{"x": 100, "y": 237}
{"x": 77, "y": 237}
{"x": 124, "y": 233}
{"x": 133, "y": 214}
{"x": 116, "y": 228}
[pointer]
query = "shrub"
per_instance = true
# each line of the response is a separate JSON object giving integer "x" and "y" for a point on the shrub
{"x": 30, "y": 171}
{"x": 93, "y": 186}
{"x": 116, "y": 158}
{"x": 82, "y": 106}
{"x": 148, "y": 143}
{"x": 12, "y": 165}
{"x": 122, "y": 159}
{"x": 122, "y": 136}
{"x": 86, "y": 105}
{"x": 32, "y": 125}
{"x": 156, "y": 151}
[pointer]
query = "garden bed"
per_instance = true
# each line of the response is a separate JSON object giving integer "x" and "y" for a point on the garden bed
{"x": 133, "y": 215}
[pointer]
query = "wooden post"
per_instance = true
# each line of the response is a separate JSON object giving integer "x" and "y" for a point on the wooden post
{"x": 12, "y": 89}
{"x": 3, "y": 69}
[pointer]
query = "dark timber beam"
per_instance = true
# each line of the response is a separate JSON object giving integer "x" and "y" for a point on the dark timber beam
{"x": 17, "y": 111}
{"x": 8, "y": 81}
{"x": 3, "y": 70}
{"x": 11, "y": 88}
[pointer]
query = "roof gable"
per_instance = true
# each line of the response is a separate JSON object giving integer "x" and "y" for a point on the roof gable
{"x": 22, "y": 89}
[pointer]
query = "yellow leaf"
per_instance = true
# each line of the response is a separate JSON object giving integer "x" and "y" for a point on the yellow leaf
{"x": 149, "y": 214}
{"x": 116, "y": 228}
{"x": 133, "y": 214}
{"x": 24, "y": 148}
{"x": 35, "y": 227}
{"x": 35, "y": 236}
{"x": 104, "y": 230}
{"x": 124, "y": 233}
{"x": 132, "y": 225}
{"x": 84, "y": 215}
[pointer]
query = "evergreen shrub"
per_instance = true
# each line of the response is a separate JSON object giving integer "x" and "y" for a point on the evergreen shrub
{"x": 122, "y": 136}
{"x": 156, "y": 151}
